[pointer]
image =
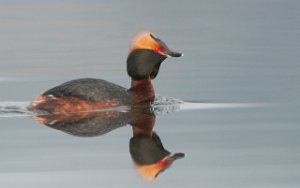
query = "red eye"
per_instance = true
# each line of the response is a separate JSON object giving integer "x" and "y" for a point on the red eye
{"x": 161, "y": 162}
{"x": 156, "y": 50}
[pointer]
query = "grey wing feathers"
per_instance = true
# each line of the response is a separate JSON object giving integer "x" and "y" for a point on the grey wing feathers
{"x": 90, "y": 89}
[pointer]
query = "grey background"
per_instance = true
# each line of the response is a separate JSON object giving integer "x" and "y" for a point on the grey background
{"x": 235, "y": 50}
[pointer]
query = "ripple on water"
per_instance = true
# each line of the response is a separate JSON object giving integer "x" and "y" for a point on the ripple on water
{"x": 14, "y": 109}
{"x": 160, "y": 106}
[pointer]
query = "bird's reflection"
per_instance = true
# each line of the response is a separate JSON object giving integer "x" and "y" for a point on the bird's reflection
{"x": 146, "y": 149}
{"x": 85, "y": 124}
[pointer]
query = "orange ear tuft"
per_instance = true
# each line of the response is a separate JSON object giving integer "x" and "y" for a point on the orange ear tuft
{"x": 148, "y": 172}
{"x": 144, "y": 41}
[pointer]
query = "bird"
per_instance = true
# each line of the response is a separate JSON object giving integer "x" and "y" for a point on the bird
{"x": 146, "y": 53}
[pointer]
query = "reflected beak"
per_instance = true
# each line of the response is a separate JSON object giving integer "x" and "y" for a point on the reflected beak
{"x": 175, "y": 156}
{"x": 167, "y": 161}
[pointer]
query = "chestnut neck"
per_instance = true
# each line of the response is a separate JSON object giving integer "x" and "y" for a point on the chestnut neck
{"x": 142, "y": 123}
{"x": 142, "y": 90}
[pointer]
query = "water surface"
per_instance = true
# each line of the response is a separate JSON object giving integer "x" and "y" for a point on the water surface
{"x": 236, "y": 52}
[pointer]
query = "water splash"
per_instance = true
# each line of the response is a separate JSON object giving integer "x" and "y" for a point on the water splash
{"x": 167, "y": 105}
{"x": 14, "y": 109}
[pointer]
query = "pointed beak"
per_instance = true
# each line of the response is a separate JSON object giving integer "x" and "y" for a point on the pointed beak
{"x": 167, "y": 161}
{"x": 175, "y": 156}
{"x": 170, "y": 53}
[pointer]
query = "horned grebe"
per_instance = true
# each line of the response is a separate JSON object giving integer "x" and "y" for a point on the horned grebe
{"x": 145, "y": 56}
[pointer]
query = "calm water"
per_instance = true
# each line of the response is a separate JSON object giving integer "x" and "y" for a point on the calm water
{"x": 236, "y": 52}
